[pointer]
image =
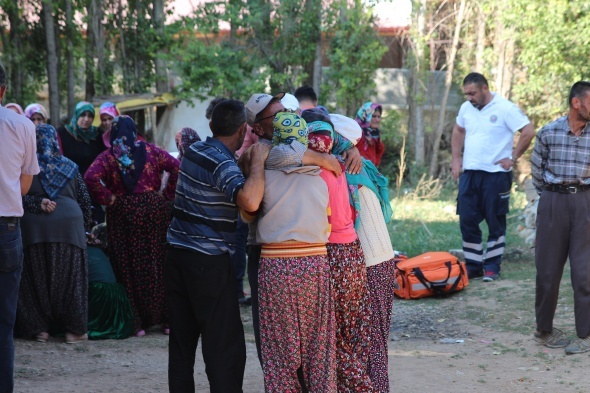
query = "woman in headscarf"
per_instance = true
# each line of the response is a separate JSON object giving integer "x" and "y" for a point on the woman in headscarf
{"x": 15, "y": 107}
{"x": 36, "y": 113}
{"x": 297, "y": 322}
{"x": 347, "y": 265}
{"x": 184, "y": 138}
{"x": 126, "y": 178}
{"x": 370, "y": 145}
{"x": 53, "y": 290}
{"x": 107, "y": 113}
{"x": 80, "y": 141}
{"x": 369, "y": 195}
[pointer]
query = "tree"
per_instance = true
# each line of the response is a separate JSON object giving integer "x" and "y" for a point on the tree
{"x": 52, "y": 63}
{"x": 354, "y": 53}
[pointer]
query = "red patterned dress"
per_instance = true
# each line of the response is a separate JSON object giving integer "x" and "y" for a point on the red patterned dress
{"x": 137, "y": 223}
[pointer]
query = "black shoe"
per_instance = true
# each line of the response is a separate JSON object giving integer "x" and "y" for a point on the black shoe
{"x": 245, "y": 301}
{"x": 472, "y": 274}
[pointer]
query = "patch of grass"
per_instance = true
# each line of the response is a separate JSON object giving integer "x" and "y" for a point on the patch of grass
{"x": 420, "y": 226}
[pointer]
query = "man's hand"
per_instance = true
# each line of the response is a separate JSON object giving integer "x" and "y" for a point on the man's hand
{"x": 48, "y": 206}
{"x": 456, "y": 167}
{"x": 353, "y": 162}
{"x": 259, "y": 153}
{"x": 113, "y": 199}
{"x": 506, "y": 163}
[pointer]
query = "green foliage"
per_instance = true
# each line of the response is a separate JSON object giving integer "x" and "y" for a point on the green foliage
{"x": 392, "y": 136}
{"x": 554, "y": 52}
{"x": 355, "y": 53}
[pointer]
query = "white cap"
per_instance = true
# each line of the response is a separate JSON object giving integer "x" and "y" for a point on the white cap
{"x": 290, "y": 102}
{"x": 347, "y": 127}
{"x": 257, "y": 103}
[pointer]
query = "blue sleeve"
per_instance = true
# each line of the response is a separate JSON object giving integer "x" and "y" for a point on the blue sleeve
{"x": 229, "y": 179}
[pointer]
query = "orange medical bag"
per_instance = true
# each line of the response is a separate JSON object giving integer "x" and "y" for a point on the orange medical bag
{"x": 430, "y": 274}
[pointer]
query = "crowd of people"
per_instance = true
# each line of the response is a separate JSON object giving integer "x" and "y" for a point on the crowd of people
{"x": 117, "y": 236}
{"x": 283, "y": 189}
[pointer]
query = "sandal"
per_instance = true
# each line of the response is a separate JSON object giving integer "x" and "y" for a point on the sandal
{"x": 578, "y": 345}
{"x": 553, "y": 339}
{"x": 72, "y": 338}
{"x": 42, "y": 337}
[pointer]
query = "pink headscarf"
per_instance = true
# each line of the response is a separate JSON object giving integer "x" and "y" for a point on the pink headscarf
{"x": 18, "y": 108}
{"x": 31, "y": 109}
{"x": 109, "y": 108}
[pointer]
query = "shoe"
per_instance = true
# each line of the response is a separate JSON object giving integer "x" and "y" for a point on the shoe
{"x": 553, "y": 339}
{"x": 245, "y": 301}
{"x": 72, "y": 338}
{"x": 139, "y": 333}
{"x": 42, "y": 337}
{"x": 490, "y": 276}
{"x": 578, "y": 345}
{"x": 472, "y": 275}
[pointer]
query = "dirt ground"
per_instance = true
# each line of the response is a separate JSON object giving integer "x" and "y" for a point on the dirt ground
{"x": 430, "y": 350}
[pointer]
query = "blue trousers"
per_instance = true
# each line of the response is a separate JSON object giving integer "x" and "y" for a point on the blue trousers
{"x": 483, "y": 196}
{"x": 238, "y": 259}
{"x": 11, "y": 266}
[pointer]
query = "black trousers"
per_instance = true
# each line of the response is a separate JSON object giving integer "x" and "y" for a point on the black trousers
{"x": 201, "y": 299}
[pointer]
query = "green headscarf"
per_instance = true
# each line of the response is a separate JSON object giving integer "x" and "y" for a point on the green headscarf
{"x": 81, "y": 134}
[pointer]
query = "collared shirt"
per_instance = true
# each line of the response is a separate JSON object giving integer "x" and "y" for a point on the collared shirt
{"x": 205, "y": 209}
{"x": 559, "y": 156}
{"x": 489, "y": 133}
{"x": 18, "y": 155}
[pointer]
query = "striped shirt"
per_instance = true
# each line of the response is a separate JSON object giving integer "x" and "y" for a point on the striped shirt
{"x": 205, "y": 210}
{"x": 559, "y": 156}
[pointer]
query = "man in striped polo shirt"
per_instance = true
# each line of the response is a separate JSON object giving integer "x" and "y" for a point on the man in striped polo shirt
{"x": 198, "y": 276}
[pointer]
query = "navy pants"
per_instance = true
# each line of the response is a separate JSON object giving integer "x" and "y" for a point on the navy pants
{"x": 202, "y": 304}
{"x": 238, "y": 258}
{"x": 11, "y": 266}
{"x": 483, "y": 196}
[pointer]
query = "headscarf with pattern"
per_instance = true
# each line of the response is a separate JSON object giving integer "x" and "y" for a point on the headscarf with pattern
{"x": 31, "y": 109}
{"x": 55, "y": 170}
{"x": 130, "y": 153}
{"x": 81, "y": 134}
{"x": 289, "y": 127}
{"x": 184, "y": 138}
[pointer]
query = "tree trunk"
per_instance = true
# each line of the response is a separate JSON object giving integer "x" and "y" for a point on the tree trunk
{"x": 416, "y": 96}
{"x": 52, "y": 71}
{"x": 124, "y": 67}
{"x": 90, "y": 51}
{"x": 70, "y": 58}
{"x": 99, "y": 39}
{"x": 161, "y": 72}
{"x": 15, "y": 51}
{"x": 448, "y": 80}
{"x": 481, "y": 39}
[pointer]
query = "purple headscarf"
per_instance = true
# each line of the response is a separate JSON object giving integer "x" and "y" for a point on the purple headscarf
{"x": 184, "y": 138}
{"x": 129, "y": 152}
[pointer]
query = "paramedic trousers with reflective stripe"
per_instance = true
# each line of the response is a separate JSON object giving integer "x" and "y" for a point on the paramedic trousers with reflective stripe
{"x": 483, "y": 196}
{"x": 563, "y": 230}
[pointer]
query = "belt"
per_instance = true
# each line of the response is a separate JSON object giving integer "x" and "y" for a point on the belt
{"x": 567, "y": 189}
{"x": 8, "y": 220}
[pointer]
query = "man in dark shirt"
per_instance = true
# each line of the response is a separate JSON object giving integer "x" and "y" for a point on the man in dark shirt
{"x": 198, "y": 274}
